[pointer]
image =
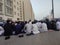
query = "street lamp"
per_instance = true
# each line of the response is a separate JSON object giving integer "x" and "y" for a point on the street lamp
{"x": 53, "y": 9}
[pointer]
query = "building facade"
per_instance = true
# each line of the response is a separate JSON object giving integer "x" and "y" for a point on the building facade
{"x": 28, "y": 11}
{"x": 16, "y": 10}
{"x": 1, "y": 9}
{"x": 6, "y": 9}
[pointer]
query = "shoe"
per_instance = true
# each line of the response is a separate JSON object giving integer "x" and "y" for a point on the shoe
{"x": 6, "y": 38}
{"x": 21, "y": 36}
{"x": 28, "y": 34}
{"x": 32, "y": 33}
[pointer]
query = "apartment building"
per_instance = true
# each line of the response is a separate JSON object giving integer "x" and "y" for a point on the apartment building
{"x": 16, "y": 10}
{"x": 6, "y": 9}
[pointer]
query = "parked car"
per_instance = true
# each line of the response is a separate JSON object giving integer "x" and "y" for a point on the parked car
{"x": 2, "y": 23}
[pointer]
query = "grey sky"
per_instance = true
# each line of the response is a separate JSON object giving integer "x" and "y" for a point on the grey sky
{"x": 42, "y": 8}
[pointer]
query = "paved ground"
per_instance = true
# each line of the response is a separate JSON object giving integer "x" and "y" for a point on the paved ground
{"x": 48, "y": 38}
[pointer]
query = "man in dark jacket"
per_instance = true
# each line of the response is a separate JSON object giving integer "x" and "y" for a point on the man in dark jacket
{"x": 8, "y": 29}
{"x": 22, "y": 27}
{"x": 53, "y": 25}
{"x": 48, "y": 24}
{"x": 19, "y": 29}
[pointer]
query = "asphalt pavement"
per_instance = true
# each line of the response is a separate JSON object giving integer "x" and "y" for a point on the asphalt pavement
{"x": 47, "y": 38}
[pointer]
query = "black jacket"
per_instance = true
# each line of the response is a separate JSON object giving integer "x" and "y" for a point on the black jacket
{"x": 8, "y": 29}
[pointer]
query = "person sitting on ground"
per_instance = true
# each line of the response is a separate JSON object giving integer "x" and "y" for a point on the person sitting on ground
{"x": 28, "y": 28}
{"x": 19, "y": 29}
{"x": 58, "y": 25}
{"x": 44, "y": 27}
{"x": 39, "y": 24}
{"x": 35, "y": 28}
{"x": 53, "y": 25}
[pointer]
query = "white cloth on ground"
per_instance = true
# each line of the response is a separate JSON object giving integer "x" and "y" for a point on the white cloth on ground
{"x": 39, "y": 24}
{"x": 1, "y": 30}
{"x": 35, "y": 29}
{"x": 58, "y": 25}
{"x": 28, "y": 28}
{"x": 44, "y": 27}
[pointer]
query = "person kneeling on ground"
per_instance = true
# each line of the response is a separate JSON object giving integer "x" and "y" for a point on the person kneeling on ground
{"x": 28, "y": 28}
{"x": 18, "y": 29}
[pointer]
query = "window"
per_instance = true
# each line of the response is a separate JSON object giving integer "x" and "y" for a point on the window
{"x": 8, "y": 10}
{"x": 17, "y": 18}
{"x": 14, "y": 0}
{"x": 20, "y": 11}
{"x": 17, "y": 8}
{"x": 18, "y": 14}
{"x": 0, "y": 18}
{"x": 20, "y": 6}
{"x": 0, "y": 6}
{"x": 11, "y": 11}
{"x": 17, "y": 3}
{"x": 9, "y": 2}
{"x": 20, "y": 18}
{"x": 20, "y": 1}
{"x": 14, "y": 6}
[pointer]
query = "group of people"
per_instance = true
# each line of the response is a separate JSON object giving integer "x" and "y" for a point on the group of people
{"x": 29, "y": 28}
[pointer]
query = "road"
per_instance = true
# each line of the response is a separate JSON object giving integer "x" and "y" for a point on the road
{"x": 47, "y": 38}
